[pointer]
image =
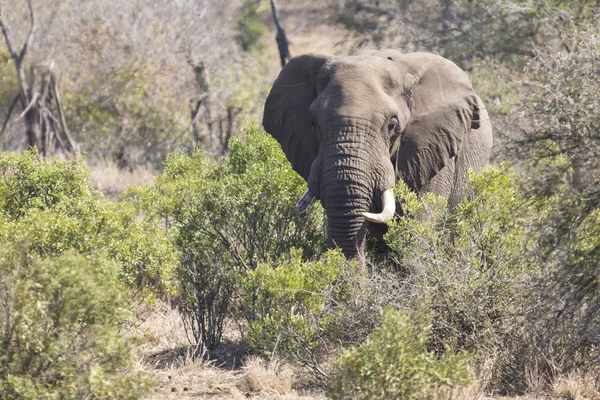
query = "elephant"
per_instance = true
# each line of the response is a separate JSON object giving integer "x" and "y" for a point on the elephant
{"x": 353, "y": 126}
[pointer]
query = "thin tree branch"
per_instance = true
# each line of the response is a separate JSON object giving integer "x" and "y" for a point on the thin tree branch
{"x": 18, "y": 57}
{"x": 196, "y": 110}
{"x": 4, "y": 29}
{"x": 30, "y": 34}
{"x": 280, "y": 38}
{"x": 61, "y": 115}
{"x": 31, "y": 104}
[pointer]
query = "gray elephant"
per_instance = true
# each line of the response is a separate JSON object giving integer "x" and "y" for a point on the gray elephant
{"x": 353, "y": 126}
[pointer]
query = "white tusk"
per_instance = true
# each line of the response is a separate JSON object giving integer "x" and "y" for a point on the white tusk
{"x": 389, "y": 208}
{"x": 305, "y": 201}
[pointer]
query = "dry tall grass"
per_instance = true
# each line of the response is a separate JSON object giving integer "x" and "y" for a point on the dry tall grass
{"x": 577, "y": 386}
{"x": 111, "y": 180}
{"x": 167, "y": 355}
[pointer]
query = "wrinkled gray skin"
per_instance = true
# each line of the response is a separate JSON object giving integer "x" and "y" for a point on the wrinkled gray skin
{"x": 353, "y": 126}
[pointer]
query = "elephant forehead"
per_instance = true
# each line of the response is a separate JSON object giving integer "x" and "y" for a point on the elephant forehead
{"x": 363, "y": 70}
{"x": 358, "y": 87}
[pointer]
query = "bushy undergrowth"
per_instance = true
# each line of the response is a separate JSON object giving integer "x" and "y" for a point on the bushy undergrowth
{"x": 291, "y": 309}
{"x": 226, "y": 217}
{"x": 484, "y": 271}
{"x": 53, "y": 208}
{"x": 474, "y": 265}
{"x": 396, "y": 362}
{"x": 478, "y": 283}
{"x": 61, "y": 321}
{"x": 70, "y": 263}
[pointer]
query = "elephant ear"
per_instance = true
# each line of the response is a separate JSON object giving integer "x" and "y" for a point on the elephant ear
{"x": 444, "y": 108}
{"x": 287, "y": 117}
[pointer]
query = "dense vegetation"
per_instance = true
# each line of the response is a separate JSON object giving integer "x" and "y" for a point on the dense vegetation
{"x": 70, "y": 263}
{"x": 500, "y": 292}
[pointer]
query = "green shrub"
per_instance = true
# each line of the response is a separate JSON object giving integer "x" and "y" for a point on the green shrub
{"x": 476, "y": 264}
{"x": 288, "y": 304}
{"x": 249, "y": 26}
{"x": 226, "y": 217}
{"x": 559, "y": 147}
{"x": 61, "y": 321}
{"x": 52, "y": 207}
{"x": 396, "y": 363}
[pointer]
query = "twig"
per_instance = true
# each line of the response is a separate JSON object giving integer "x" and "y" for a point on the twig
{"x": 31, "y": 104}
{"x": 29, "y": 34}
{"x": 61, "y": 115}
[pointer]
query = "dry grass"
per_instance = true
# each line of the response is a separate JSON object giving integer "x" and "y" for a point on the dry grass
{"x": 162, "y": 338}
{"x": 261, "y": 376}
{"x": 112, "y": 181}
{"x": 472, "y": 392}
{"x": 577, "y": 386}
{"x": 167, "y": 354}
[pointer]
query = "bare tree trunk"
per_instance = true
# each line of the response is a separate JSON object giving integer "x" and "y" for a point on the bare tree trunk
{"x": 281, "y": 38}
{"x": 194, "y": 114}
{"x": 43, "y": 130}
{"x": 226, "y": 135}
{"x": 209, "y": 125}
{"x": 201, "y": 75}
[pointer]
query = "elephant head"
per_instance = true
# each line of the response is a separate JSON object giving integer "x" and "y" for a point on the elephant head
{"x": 352, "y": 126}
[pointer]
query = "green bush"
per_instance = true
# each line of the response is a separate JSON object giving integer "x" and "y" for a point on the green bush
{"x": 249, "y": 26}
{"x": 61, "y": 321}
{"x": 288, "y": 303}
{"x": 476, "y": 264}
{"x": 52, "y": 207}
{"x": 559, "y": 147}
{"x": 498, "y": 279}
{"x": 226, "y": 217}
{"x": 396, "y": 363}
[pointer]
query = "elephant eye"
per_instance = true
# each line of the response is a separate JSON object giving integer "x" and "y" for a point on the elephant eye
{"x": 392, "y": 125}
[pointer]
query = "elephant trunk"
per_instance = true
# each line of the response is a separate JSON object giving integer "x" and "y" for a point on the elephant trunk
{"x": 351, "y": 176}
{"x": 348, "y": 183}
{"x": 344, "y": 206}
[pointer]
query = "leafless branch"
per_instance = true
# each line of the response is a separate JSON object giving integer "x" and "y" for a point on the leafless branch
{"x": 5, "y": 32}
{"x": 29, "y": 106}
{"x": 195, "y": 110}
{"x": 29, "y": 34}
{"x": 61, "y": 115}
{"x": 4, "y": 29}
{"x": 280, "y": 38}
